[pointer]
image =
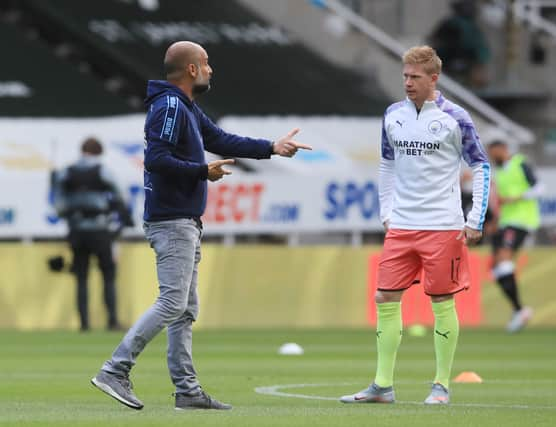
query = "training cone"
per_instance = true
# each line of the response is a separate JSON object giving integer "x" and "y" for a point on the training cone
{"x": 468, "y": 377}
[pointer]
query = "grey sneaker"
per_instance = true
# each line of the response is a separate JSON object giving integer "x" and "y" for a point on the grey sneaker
{"x": 118, "y": 387}
{"x": 373, "y": 394}
{"x": 198, "y": 401}
{"x": 439, "y": 395}
{"x": 519, "y": 319}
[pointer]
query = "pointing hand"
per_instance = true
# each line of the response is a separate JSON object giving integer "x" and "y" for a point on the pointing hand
{"x": 287, "y": 147}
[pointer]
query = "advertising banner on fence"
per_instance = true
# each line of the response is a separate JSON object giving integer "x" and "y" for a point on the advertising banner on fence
{"x": 30, "y": 149}
{"x": 343, "y": 200}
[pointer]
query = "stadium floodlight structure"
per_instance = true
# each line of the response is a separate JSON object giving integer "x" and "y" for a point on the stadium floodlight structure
{"x": 514, "y": 132}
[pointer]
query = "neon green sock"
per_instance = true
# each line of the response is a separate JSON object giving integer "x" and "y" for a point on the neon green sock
{"x": 446, "y": 331}
{"x": 388, "y": 339}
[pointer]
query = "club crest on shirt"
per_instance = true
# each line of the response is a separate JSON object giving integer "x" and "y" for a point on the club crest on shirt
{"x": 434, "y": 127}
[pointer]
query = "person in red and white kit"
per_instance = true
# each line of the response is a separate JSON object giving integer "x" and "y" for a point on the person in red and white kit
{"x": 424, "y": 139}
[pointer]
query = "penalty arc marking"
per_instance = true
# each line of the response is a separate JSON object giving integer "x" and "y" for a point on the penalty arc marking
{"x": 276, "y": 390}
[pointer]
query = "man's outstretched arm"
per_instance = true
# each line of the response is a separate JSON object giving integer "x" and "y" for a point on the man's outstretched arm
{"x": 226, "y": 144}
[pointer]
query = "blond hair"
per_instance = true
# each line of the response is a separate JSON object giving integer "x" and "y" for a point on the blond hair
{"x": 425, "y": 56}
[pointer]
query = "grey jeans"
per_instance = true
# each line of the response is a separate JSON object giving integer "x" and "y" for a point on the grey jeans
{"x": 177, "y": 245}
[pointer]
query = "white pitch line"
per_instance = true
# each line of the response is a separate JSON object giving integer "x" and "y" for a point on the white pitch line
{"x": 274, "y": 390}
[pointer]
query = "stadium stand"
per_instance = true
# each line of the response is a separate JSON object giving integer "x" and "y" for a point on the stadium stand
{"x": 259, "y": 69}
{"x": 35, "y": 82}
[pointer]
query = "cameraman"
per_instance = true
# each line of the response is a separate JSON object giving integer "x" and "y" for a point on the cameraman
{"x": 86, "y": 195}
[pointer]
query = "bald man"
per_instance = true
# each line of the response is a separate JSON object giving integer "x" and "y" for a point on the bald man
{"x": 177, "y": 133}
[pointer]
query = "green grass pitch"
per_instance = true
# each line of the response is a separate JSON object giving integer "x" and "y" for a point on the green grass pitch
{"x": 44, "y": 380}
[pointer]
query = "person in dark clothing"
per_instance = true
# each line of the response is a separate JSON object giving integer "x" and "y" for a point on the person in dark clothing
{"x": 88, "y": 198}
{"x": 461, "y": 44}
{"x": 177, "y": 133}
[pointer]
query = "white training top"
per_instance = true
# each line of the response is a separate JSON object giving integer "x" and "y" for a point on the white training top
{"x": 419, "y": 178}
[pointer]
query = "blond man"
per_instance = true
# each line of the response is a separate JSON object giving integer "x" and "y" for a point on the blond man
{"x": 424, "y": 139}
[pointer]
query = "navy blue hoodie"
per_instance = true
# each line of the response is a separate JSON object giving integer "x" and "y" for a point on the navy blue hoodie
{"x": 176, "y": 134}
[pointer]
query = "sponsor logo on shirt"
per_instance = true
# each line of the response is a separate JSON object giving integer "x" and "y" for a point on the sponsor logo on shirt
{"x": 416, "y": 148}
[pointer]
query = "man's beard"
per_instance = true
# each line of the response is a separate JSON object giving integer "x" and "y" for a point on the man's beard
{"x": 199, "y": 89}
